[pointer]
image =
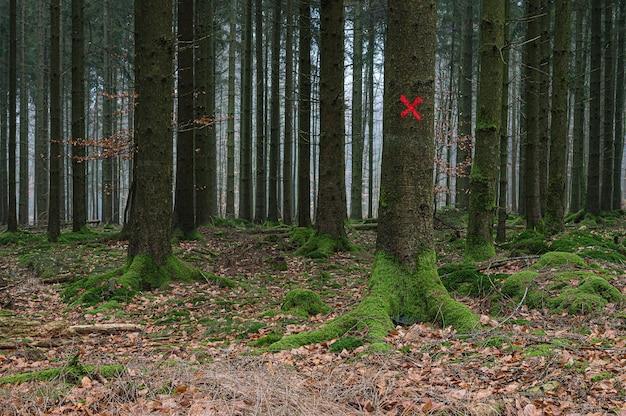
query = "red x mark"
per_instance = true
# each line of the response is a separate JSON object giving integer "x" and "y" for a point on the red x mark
{"x": 410, "y": 107}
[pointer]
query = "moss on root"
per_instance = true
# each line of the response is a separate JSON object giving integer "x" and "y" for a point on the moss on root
{"x": 298, "y": 236}
{"x": 394, "y": 295}
{"x": 72, "y": 373}
{"x": 322, "y": 246}
{"x": 465, "y": 279}
{"x": 477, "y": 249}
{"x": 304, "y": 303}
{"x": 558, "y": 258}
{"x": 141, "y": 273}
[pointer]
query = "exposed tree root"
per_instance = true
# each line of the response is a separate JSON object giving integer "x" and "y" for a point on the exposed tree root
{"x": 321, "y": 246}
{"x": 395, "y": 295}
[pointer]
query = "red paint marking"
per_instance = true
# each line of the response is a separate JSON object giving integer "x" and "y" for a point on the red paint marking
{"x": 410, "y": 107}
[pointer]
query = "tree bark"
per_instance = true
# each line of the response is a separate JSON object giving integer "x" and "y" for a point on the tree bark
{"x": 356, "y": 191}
{"x": 578, "y": 151}
{"x": 288, "y": 146}
{"x": 260, "y": 197}
{"x": 184, "y": 213}
{"x": 593, "y": 175}
{"x": 331, "y": 211}
{"x": 619, "y": 111}
{"x": 54, "y": 200}
{"x": 230, "y": 128}
{"x": 370, "y": 116}
{"x": 608, "y": 150}
{"x": 4, "y": 87}
{"x": 555, "y": 204}
{"x": 485, "y": 165}
{"x": 24, "y": 120}
{"x": 245, "y": 185}
{"x": 504, "y": 130}
{"x": 79, "y": 200}
{"x": 304, "y": 115}
{"x": 544, "y": 103}
{"x": 275, "y": 116}
{"x": 107, "y": 120}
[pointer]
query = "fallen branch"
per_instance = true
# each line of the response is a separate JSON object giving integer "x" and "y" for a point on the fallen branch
{"x": 104, "y": 328}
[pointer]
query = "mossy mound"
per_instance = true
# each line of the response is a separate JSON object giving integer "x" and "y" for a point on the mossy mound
{"x": 395, "y": 295}
{"x": 322, "y": 246}
{"x": 304, "y": 303}
{"x": 516, "y": 284}
{"x": 558, "y": 258}
{"x": 591, "y": 295}
{"x": 528, "y": 242}
{"x": 142, "y": 273}
{"x": 72, "y": 373}
{"x": 465, "y": 279}
{"x": 268, "y": 339}
{"x": 298, "y": 236}
{"x": 590, "y": 245}
{"x": 345, "y": 343}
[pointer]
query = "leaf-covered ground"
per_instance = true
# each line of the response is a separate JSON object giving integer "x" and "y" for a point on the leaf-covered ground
{"x": 197, "y": 353}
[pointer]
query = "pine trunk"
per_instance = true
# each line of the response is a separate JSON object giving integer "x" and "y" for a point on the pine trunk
{"x": 555, "y": 204}
{"x": 245, "y": 186}
{"x": 304, "y": 115}
{"x": 54, "y": 200}
{"x": 79, "y": 209}
{"x": 578, "y": 148}
{"x": 356, "y": 200}
{"x": 331, "y": 211}
{"x": 288, "y": 146}
{"x": 618, "y": 177}
{"x": 260, "y": 198}
{"x": 370, "y": 117}
{"x": 544, "y": 103}
{"x": 608, "y": 149}
{"x": 464, "y": 145}
{"x": 107, "y": 121}
{"x": 504, "y": 132}
{"x": 230, "y": 128}
{"x": 4, "y": 49}
{"x": 595, "y": 116}
{"x": 24, "y": 120}
{"x": 275, "y": 116}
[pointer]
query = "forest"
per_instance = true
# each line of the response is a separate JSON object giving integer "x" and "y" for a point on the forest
{"x": 312, "y": 207}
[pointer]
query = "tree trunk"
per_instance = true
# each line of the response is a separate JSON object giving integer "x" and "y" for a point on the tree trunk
{"x": 24, "y": 120}
{"x": 370, "y": 116}
{"x": 578, "y": 151}
{"x": 608, "y": 150}
{"x": 356, "y": 200}
{"x": 555, "y": 205}
{"x": 404, "y": 286}
{"x": 230, "y": 129}
{"x": 4, "y": 68}
{"x": 245, "y": 185}
{"x": 619, "y": 111}
{"x": 482, "y": 202}
{"x": 593, "y": 175}
{"x": 544, "y": 103}
{"x": 54, "y": 200}
{"x": 288, "y": 150}
{"x": 79, "y": 209}
{"x": 531, "y": 145}
{"x": 275, "y": 116}
{"x": 464, "y": 145}
{"x": 331, "y": 211}
{"x": 504, "y": 131}
{"x": 107, "y": 121}
{"x": 304, "y": 115}
{"x": 260, "y": 198}
{"x": 205, "y": 149}
{"x": 184, "y": 218}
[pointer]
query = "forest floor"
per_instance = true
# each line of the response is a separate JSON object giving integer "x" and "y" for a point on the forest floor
{"x": 194, "y": 352}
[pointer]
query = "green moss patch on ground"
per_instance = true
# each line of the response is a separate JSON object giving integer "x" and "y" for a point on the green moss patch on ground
{"x": 466, "y": 280}
{"x": 303, "y": 303}
{"x": 558, "y": 258}
{"x": 322, "y": 246}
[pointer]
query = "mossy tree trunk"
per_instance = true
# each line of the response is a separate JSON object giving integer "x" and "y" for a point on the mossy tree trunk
{"x": 555, "y": 205}
{"x": 205, "y": 147}
{"x": 504, "y": 132}
{"x": 595, "y": 115}
{"x": 79, "y": 190}
{"x": 485, "y": 166}
{"x": 54, "y": 198}
{"x": 464, "y": 149}
{"x": 404, "y": 286}
{"x": 259, "y": 202}
{"x": 288, "y": 152}
{"x": 356, "y": 191}
{"x": 230, "y": 127}
{"x": 578, "y": 147}
{"x": 606, "y": 192}
{"x": 531, "y": 143}
{"x": 184, "y": 215}
{"x": 304, "y": 114}
{"x": 331, "y": 208}
{"x": 150, "y": 227}
{"x": 619, "y": 111}
{"x": 274, "y": 156}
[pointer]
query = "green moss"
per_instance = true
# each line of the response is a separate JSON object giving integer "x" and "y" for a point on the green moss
{"x": 528, "y": 242}
{"x": 539, "y": 350}
{"x": 71, "y": 373}
{"x": 178, "y": 235}
{"x": 19, "y": 237}
{"x": 478, "y": 249}
{"x": 302, "y": 302}
{"x": 465, "y": 279}
{"x": 599, "y": 253}
{"x": 142, "y": 273}
{"x": 590, "y": 296}
{"x": 605, "y": 375}
{"x": 516, "y": 284}
{"x": 221, "y": 281}
{"x": 591, "y": 245}
{"x": 267, "y": 340}
{"x": 322, "y": 246}
{"x": 496, "y": 341}
{"x": 346, "y": 343}
{"x": 395, "y": 294}
{"x": 84, "y": 235}
{"x": 231, "y": 222}
{"x": 558, "y": 258}
{"x": 300, "y": 235}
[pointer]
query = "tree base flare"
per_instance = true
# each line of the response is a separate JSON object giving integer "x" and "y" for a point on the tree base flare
{"x": 141, "y": 273}
{"x": 322, "y": 246}
{"x": 395, "y": 295}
